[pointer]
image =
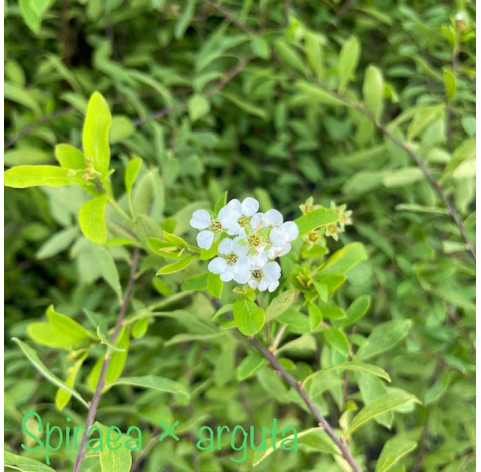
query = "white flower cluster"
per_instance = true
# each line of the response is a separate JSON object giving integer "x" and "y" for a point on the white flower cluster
{"x": 257, "y": 239}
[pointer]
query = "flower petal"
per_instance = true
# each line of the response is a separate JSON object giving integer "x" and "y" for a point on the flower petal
{"x": 257, "y": 221}
{"x": 233, "y": 210}
{"x": 272, "y": 286}
{"x": 249, "y": 206}
{"x": 242, "y": 276}
{"x": 205, "y": 239}
{"x": 272, "y": 271}
{"x": 200, "y": 219}
{"x": 291, "y": 229}
{"x": 278, "y": 237}
{"x": 272, "y": 218}
{"x": 225, "y": 246}
{"x": 217, "y": 265}
{"x": 227, "y": 275}
{"x": 239, "y": 250}
{"x": 262, "y": 285}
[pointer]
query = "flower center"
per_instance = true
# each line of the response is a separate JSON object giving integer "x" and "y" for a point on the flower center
{"x": 253, "y": 240}
{"x": 231, "y": 259}
{"x": 216, "y": 226}
{"x": 243, "y": 221}
{"x": 313, "y": 236}
{"x": 331, "y": 228}
{"x": 257, "y": 274}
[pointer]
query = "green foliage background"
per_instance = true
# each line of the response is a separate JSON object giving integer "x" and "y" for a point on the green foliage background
{"x": 238, "y": 96}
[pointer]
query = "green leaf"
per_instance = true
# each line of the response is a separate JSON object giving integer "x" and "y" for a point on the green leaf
{"x": 353, "y": 366}
{"x": 393, "y": 400}
{"x": 246, "y": 106}
{"x": 62, "y": 397}
{"x": 393, "y": 451}
{"x": 22, "y": 96}
{"x": 260, "y": 47}
{"x": 199, "y": 106}
{"x": 315, "y": 219}
{"x": 383, "y": 337}
{"x": 139, "y": 328}
{"x": 214, "y": 285}
{"x": 314, "y": 52}
{"x": 174, "y": 239}
{"x": 63, "y": 325}
{"x": 344, "y": 259}
{"x": 92, "y": 220}
{"x": 108, "y": 269}
{"x": 32, "y": 176}
{"x": 32, "y": 356}
{"x": 57, "y": 243}
{"x": 337, "y": 340}
{"x": 250, "y": 365}
{"x": 319, "y": 94}
{"x": 24, "y": 464}
{"x": 161, "y": 384}
{"x": 122, "y": 127}
{"x": 373, "y": 90}
{"x": 402, "y": 177}
{"x": 315, "y": 438}
{"x": 70, "y": 157}
{"x": 449, "y": 83}
{"x": 95, "y": 137}
{"x": 248, "y": 317}
{"x": 348, "y": 60}
{"x": 333, "y": 312}
{"x": 220, "y": 202}
{"x": 131, "y": 173}
{"x": 114, "y": 458}
{"x": 280, "y": 304}
{"x": 176, "y": 266}
{"x": 357, "y": 309}
{"x": 32, "y": 12}
{"x": 315, "y": 316}
{"x": 184, "y": 21}
{"x": 118, "y": 358}
{"x": 423, "y": 116}
{"x": 290, "y": 56}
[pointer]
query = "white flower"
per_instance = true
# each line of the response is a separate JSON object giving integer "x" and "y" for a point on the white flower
{"x": 235, "y": 265}
{"x": 272, "y": 218}
{"x": 202, "y": 219}
{"x": 283, "y": 234}
{"x": 278, "y": 251}
{"x": 266, "y": 277}
{"x": 235, "y": 216}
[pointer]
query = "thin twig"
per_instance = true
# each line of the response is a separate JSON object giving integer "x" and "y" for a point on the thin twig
{"x": 434, "y": 183}
{"x": 278, "y": 338}
{"x": 344, "y": 8}
{"x": 213, "y": 91}
{"x": 64, "y": 111}
{"x": 94, "y": 404}
{"x": 308, "y": 402}
{"x": 230, "y": 17}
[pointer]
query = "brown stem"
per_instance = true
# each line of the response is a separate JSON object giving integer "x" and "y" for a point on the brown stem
{"x": 65, "y": 33}
{"x": 214, "y": 90}
{"x": 230, "y": 17}
{"x": 308, "y": 402}
{"x": 94, "y": 404}
{"x": 429, "y": 177}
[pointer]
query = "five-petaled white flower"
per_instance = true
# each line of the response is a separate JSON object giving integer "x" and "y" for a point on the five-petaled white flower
{"x": 235, "y": 216}
{"x": 265, "y": 277}
{"x": 202, "y": 219}
{"x": 234, "y": 265}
